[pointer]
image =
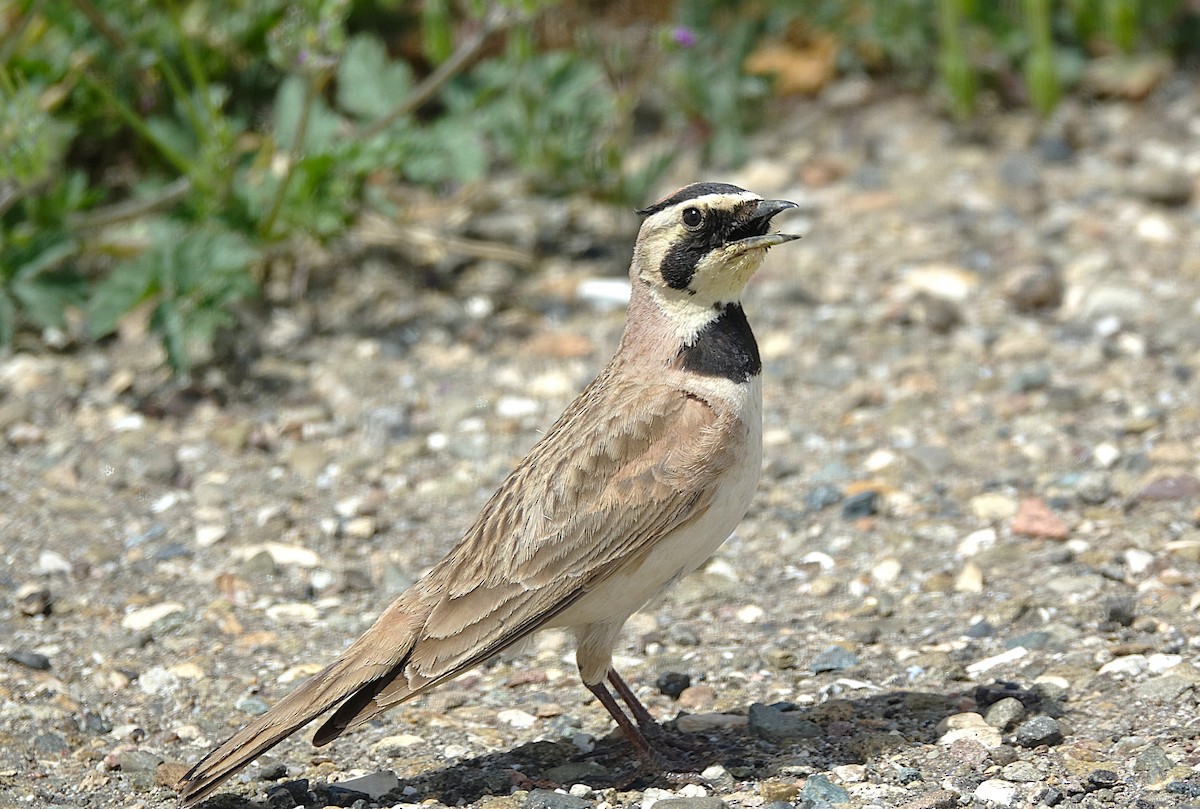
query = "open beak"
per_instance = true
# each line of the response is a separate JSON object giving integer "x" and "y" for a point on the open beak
{"x": 753, "y": 233}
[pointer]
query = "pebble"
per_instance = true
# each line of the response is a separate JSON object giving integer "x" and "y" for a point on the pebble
{"x": 697, "y": 697}
{"x": 1040, "y": 730}
{"x": 822, "y": 497}
{"x": 862, "y": 504}
{"x": 833, "y": 658}
{"x": 142, "y": 619}
{"x": 690, "y": 802}
{"x": 1020, "y": 771}
{"x": 517, "y": 718}
{"x": 550, "y": 799}
{"x": 50, "y": 563}
{"x": 997, "y": 791}
{"x": 1005, "y": 713}
{"x": 704, "y": 722}
{"x": 293, "y": 613}
{"x": 253, "y": 705}
{"x": 576, "y": 772}
{"x": 1152, "y": 766}
{"x": 993, "y": 507}
{"x": 1035, "y": 519}
{"x": 672, "y": 683}
{"x": 1170, "y": 487}
{"x": 819, "y": 788}
{"x": 396, "y": 745}
{"x": 977, "y": 541}
{"x": 779, "y": 727}
{"x": 374, "y": 785}
{"x": 969, "y": 579}
{"x": 971, "y": 726}
{"x": 30, "y": 660}
{"x": 33, "y": 599}
{"x": 1094, "y": 488}
{"x": 158, "y": 680}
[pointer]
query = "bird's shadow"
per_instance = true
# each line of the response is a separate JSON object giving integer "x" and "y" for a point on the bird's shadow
{"x": 846, "y": 731}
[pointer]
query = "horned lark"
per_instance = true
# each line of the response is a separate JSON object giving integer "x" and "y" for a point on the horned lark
{"x": 646, "y": 473}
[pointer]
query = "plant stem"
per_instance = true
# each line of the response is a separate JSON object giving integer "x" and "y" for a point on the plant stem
{"x": 137, "y": 125}
{"x": 165, "y": 197}
{"x": 294, "y": 153}
{"x": 494, "y": 21}
{"x": 18, "y": 30}
{"x": 100, "y": 23}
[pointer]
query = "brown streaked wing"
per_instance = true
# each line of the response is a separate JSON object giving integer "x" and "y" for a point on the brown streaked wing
{"x": 567, "y": 518}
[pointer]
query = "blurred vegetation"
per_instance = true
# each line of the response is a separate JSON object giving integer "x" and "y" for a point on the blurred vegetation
{"x": 155, "y": 154}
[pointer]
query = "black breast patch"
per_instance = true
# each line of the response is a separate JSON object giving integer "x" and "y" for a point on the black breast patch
{"x": 725, "y": 347}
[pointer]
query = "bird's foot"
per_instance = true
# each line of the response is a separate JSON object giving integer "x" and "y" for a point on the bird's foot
{"x": 660, "y": 737}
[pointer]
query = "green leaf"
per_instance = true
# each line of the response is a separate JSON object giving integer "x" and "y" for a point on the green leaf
{"x": 8, "y": 318}
{"x": 126, "y": 285}
{"x": 368, "y": 83}
{"x": 45, "y": 297}
{"x": 321, "y": 127}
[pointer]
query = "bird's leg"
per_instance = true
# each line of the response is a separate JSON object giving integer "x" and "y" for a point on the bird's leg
{"x": 631, "y": 730}
{"x": 651, "y": 730}
{"x": 636, "y": 707}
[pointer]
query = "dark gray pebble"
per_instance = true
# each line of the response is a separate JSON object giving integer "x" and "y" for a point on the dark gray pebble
{"x": 818, "y": 788}
{"x": 863, "y": 504}
{"x": 33, "y": 660}
{"x": 672, "y": 683}
{"x": 834, "y": 658}
{"x": 1038, "y": 731}
{"x": 822, "y": 497}
{"x": 710, "y": 802}
{"x": 50, "y": 743}
{"x": 778, "y": 727}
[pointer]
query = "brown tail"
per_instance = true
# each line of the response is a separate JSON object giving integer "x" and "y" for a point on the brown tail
{"x": 368, "y": 666}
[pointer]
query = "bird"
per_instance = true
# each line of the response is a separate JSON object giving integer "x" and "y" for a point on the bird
{"x": 636, "y": 485}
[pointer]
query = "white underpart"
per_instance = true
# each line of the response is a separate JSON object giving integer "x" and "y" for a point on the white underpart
{"x": 597, "y": 618}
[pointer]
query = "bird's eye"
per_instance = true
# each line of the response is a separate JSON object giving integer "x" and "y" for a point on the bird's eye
{"x": 692, "y": 217}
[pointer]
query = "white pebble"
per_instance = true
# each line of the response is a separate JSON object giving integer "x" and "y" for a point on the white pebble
{"x": 50, "y": 562}
{"x": 208, "y": 535}
{"x": 1158, "y": 662}
{"x": 879, "y": 460}
{"x": 580, "y": 791}
{"x": 850, "y": 773}
{"x": 517, "y": 718}
{"x": 515, "y": 407}
{"x": 751, "y": 613}
{"x": 1138, "y": 560}
{"x": 1125, "y": 666}
{"x": 157, "y": 680}
{"x": 1106, "y": 455}
{"x": 976, "y": 541}
{"x": 887, "y": 571}
{"x": 144, "y": 618}
{"x": 980, "y": 666}
{"x": 1155, "y": 229}
{"x": 293, "y": 612}
{"x": 997, "y": 791}
{"x": 692, "y": 791}
{"x": 454, "y": 751}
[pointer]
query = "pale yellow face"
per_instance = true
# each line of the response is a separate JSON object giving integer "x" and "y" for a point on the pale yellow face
{"x": 696, "y": 256}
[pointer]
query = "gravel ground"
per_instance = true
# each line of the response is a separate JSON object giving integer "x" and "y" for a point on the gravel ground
{"x": 970, "y": 577}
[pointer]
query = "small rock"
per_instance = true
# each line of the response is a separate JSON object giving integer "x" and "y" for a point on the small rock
{"x": 549, "y": 799}
{"x": 517, "y": 718}
{"x": 1106, "y": 455}
{"x": 834, "y": 658}
{"x": 997, "y": 791}
{"x": 253, "y": 705}
{"x": 142, "y": 619}
{"x": 297, "y": 613}
{"x": 819, "y": 788}
{"x": 1020, "y": 771}
{"x": 696, "y": 802}
{"x": 1040, "y": 730}
{"x": 822, "y": 497}
{"x": 33, "y": 599}
{"x": 1034, "y": 288}
{"x": 375, "y": 785}
{"x": 850, "y": 773}
{"x": 50, "y": 744}
{"x": 1035, "y": 519}
{"x": 778, "y": 727}
{"x": 1167, "y": 688}
{"x": 1093, "y": 488}
{"x": 672, "y": 683}
{"x": 1170, "y": 487}
{"x": 773, "y": 789}
{"x": 993, "y": 507}
{"x": 168, "y": 773}
{"x": 968, "y": 752}
{"x": 209, "y": 535}
{"x": 1162, "y": 185}
{"x": 969, "y": 579}
{"x": 697, "y": 697}
{"x": 1152, "y": 766}
{"x": 1102, "y": 779}
{"x": 32, "y": 660}
{"x": 576, "y": 772}
{"x": 139, "y": 761}
{"x": 396, "y": 745}
{"x": 968, "y": 725}
{"x": 1005, "y": 713}
{"x": 704, "y": 722}
{"x": 862, "y": 504}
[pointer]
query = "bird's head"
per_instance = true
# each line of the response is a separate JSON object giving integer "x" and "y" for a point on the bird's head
{"x": 699, "y": 246}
